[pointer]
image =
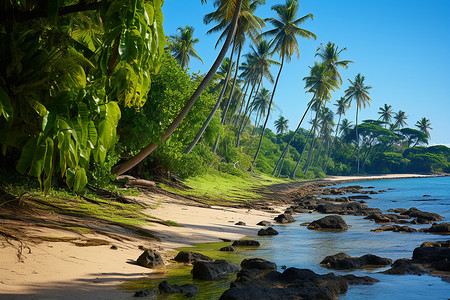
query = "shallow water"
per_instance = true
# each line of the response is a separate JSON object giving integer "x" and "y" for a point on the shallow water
{"x": 299, "y": 247}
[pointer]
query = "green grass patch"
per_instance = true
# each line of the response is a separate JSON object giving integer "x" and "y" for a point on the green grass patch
{"x": 218, "y": 187}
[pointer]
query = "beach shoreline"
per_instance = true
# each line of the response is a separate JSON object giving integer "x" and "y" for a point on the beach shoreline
{"x": 52, "y": 270}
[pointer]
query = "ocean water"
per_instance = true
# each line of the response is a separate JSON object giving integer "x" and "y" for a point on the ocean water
{"x": 296, "y": 246}
{"x": 299, "y": 247}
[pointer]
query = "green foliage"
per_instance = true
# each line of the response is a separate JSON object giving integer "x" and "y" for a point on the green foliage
{"x": 62, "y": 79}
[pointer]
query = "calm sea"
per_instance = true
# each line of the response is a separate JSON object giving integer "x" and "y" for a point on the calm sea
{"x": 299, "y": 247}
{"x": 296, "y": 246}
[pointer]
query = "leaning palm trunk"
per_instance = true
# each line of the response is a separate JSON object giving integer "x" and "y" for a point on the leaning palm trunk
{"x": 303, "y": 152}
{"x": 357, "y": 136}
{"x": 213, "y": 111}
{"x": 244, "y": 119}
{"x": 268, "y": 114}
{"x": 124, "y": 167}
{"x": 290, "y": 140}
{"x": 332, "y": 145}
{"x": 241, "y": 106}
{"x": 311, "y": 149}
{"x": 224, "y": 114}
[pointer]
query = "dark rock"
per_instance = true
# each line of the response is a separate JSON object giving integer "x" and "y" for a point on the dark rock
{"x": 113, "y": 247}
{"x": 395, "y": 228}
{"x": 344, "y": 261}
{"x": 356, "y": 280}
{"x": 398, "y": 210}
{"x": 426, "y": 196}
{"x": 146, "y": 293}
{"x": 421, "y": 221}
{"x": 228, "y": 248}
{"x": 357, "y": 197}
{"x": 211, "y": 270}
{"x": 379, "y": 218}
{"x": 240, "y": 223}
{"x": 404, "y": 266}
{"x": 430, "y": 252}
{"x": 150, "y": 259}
{"x": 246, "y": 243}
{"x": 439, "y": 228}
{"x": 416, "y": 213}
{"x": 226, "y": 240}
{"x": 189, "y": 257}
{"x": 268, "y": 231}
{"x": 264, "y": 223}
{"x": 166, "y": 288}
{"x": 382, "y": 191}
{"x": 370, "y": 187}
{"x": 284, "y": 218}
{"x": 443, "y": 265}
{"x": 329, "y": 222}
{"x": 258, "y": 263}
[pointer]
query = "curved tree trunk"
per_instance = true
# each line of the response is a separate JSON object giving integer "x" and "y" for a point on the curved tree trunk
{"x": 357, "y": 137}
{"x": 268, "y": 114}
{"x": 290, "y": 140}
{"x": 332, "y": 145}
{"x": 244, "y": 120}
{"x": 122, "y": 168}
{"x": 301, "y": 156}
{"x": 213, "y": 111}
{"x": 236, "y": 120}
{"x": 308, "y": 160}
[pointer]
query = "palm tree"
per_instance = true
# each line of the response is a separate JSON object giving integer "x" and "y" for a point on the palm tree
{"x": 400, "y": 119}
{"x": 330, "y": 56}
{"x": 182, "y": 46}
{"x": 385, "y": 114}
{"x": 247, "y": 24}
{"x": 341, "y": 109}
{"x": 359, "y": 92}
{"x": 281, "y": 124}
{"x": 346, "y": 127}
{"x": 424, "y": 125}
{"x": 233, "y": 8}
{"x": 320, "y": 82}
{"x": 285, "y": 43}
{"x": 259, "y": 63}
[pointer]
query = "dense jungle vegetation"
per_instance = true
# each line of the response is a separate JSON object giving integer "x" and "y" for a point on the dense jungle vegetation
{"x": 93, "y": 89}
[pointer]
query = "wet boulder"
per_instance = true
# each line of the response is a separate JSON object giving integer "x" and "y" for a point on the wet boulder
{"x": 150, "y": 259}
{"x": 228, "y": 249}
{"x": 268, "y": 231}
{"x": 394, "y": 228}
{"x": 442, "y": 228}
{"x": 189, "y": 257}
{"x": 329, "y": 222}
{"x": 166, "y": 288}
{"x": 264, "y": 223}
{"x": 432, "y": 252}
{"x": 404, "y": 266}
{"x": 258, "y": 263}
{"x": 417, "y": 213}
{"x": 356, "y": 280}
{"x": 284, "y": 218}
{"x": 212, "y": 270}
{"x": 343, "y": 261}
{"x": 240, "y": 223}
{"x": 246, "y": 243}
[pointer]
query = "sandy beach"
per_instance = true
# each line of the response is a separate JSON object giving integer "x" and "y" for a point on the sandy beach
{"x": 56, "y": 270}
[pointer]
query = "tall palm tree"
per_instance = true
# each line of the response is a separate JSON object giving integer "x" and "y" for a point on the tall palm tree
{"x": 248, "y": 24}
{"x": 400, "y": 119}
{"x": 281, "y": 124}
{"x": 320, "y": 82}
{"x": 385, "y": 114}
{"x": 259, "y": 62}
{"x": 233, "y": 8}
{"x": 359, "y": 92}
{"x": 346, "y": 127}
{"x": 285, "y": 43}
{"x": 342, "y": 107}
{"x": 182, "y": 46}
{"x": 329, "y": 54}
{"x": 424, "y": 125}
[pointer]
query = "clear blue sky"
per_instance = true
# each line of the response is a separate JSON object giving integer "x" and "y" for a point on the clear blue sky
{"x": 401, "y": 47}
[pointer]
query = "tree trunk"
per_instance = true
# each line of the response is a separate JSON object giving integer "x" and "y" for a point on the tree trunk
{"x": 308, "y": 160}
{"x": 122, "y": 168}
{"x": 246, "y": 85}
{"x": 268, "y": 114}
{"x": 303, "y": 152}
{"x": 357, "y": 137}
{"x": 332, "y": 145}
{"x": 290, "y": 140}
{"x": 244, "y": 120}
{"x": 224, "y": 114}
{"x": 213, "y": 111}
